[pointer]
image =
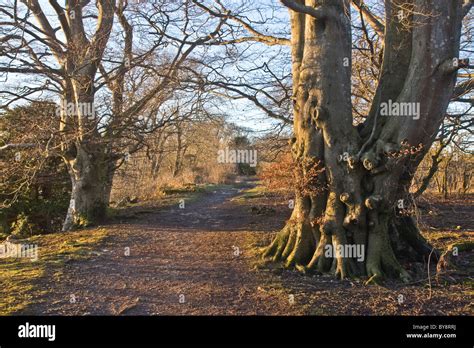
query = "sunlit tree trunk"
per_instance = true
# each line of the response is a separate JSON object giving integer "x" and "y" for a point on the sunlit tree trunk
{"x": 90, "y": 168}
{"x": 362, "y": 198}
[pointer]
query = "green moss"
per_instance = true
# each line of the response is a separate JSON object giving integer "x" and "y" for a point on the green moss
{"x": 22, "y": 227}
{"x": 83, "y": 221}
{"x": 256, "y": 192}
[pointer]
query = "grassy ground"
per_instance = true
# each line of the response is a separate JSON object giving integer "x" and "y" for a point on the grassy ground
{"x": 191, "y": 251}
{"x": 19, "y": 276}
{"x": 169, "y": 198}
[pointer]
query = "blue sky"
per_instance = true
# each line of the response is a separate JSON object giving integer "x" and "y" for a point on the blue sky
{"x": 275, "y": 18}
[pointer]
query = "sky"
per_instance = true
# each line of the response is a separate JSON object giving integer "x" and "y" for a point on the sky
{"x": 241, "y": 112}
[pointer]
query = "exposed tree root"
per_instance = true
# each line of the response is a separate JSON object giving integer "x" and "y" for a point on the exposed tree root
{"x": 293, "y": 245}
{"x": 410, "y": 233}
{"x": 381, "y": 260}
{"x": 296, "y": 247}
{"x": 319, "y": 262}
{"x": 447, "y": 261}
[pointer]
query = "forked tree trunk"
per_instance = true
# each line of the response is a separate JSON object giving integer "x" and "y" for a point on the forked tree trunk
{"x": 360, "y": 202}
{"x": 90, "y": 165}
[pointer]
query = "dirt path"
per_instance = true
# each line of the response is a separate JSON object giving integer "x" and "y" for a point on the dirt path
{"x": 182, "y": 261}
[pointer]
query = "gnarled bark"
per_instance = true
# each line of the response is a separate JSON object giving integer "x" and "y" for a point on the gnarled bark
{"x": 91, "y": 175}
{"x": 363, "y": 199}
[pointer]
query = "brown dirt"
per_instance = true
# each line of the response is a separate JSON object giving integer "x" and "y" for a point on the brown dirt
{"x": 184, "y": 262}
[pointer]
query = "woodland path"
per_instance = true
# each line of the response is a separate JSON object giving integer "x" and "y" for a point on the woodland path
{"x": 182, "y": 261}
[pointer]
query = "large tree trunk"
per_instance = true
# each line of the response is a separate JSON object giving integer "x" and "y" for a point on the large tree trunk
{"x": 91, "y": 175}
{"x": 362, "y": 203}
{"x": 89, "y": 161}
{"x": 87, "y": 154}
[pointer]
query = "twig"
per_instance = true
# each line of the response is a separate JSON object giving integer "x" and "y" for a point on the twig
{"x": 429, "y": 276}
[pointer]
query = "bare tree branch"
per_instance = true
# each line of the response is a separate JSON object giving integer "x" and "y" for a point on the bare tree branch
{"x": 258, "y": 36}
{"x": 373, "y": 20}
{"x": 317, "y": 13}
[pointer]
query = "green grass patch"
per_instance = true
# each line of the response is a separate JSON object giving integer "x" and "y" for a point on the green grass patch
{"x": 256, "y": 192}
{"x": 172, "y": 198}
